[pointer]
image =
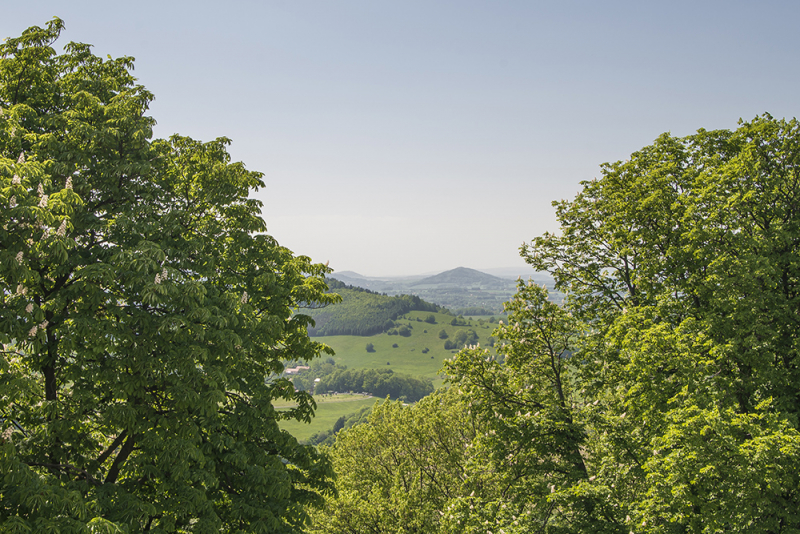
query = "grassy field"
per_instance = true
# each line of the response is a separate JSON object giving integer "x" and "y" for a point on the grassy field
{"x": 407, "y": 357}
{"x": 329, "y": 409}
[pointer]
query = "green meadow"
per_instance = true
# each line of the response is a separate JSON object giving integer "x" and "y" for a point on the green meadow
{"x": 407, "y": 358}
{"x": 329, "y": 409}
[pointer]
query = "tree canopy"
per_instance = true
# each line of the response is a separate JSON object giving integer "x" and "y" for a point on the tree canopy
{"x": 682, "y": 263}
{"x": 681, "y": 271}
{"x": 144, "y": 316}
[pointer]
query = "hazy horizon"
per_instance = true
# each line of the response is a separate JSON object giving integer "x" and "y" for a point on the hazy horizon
{"x": 500, "y": 272}
{"x": 413, "y": 137}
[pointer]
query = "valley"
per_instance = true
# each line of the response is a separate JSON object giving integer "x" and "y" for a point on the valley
{"x": 409, "y": 342}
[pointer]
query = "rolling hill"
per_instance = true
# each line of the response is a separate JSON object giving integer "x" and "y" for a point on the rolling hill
{"x": 458, "y": 289}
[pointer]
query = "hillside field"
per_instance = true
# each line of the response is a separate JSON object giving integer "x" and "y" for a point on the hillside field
{"x": 329, "y": 409}
{"x": 407, "y": 358}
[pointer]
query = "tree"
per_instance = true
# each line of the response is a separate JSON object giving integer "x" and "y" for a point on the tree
{"x": 682, "y": 264}
{"x": 536, "y": 433}
{"x": 144, "y": 316}
{"x": 409, "y": 469}
{"x": 443, "y": 334}
{"x": 465, "y": 337}
{"x": 663, "y": 396}
{"x": 370, "y": 347}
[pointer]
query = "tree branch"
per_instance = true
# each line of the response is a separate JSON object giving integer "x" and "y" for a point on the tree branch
{"x": 126, "y": 450}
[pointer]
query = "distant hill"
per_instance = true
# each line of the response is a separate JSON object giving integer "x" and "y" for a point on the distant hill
{"x": 456, "y": 289}
{"x": 363, "y": 312}
{"x": 464, "y": 277}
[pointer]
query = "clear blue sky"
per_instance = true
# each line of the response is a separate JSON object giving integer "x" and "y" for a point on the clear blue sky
{"x": 417, "y": 136}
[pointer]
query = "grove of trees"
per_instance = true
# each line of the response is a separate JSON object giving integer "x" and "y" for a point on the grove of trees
{"x": 378, "y": 382}
{"x": 142, "y": 314}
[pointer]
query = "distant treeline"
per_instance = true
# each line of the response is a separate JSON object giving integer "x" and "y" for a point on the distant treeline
{"x": 363, "y": 312}
{"x": 377, "y": 382}
{"x": 471, "y": 311}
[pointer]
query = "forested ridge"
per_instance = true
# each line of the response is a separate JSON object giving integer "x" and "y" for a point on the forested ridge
{"x": 362, "y": 312}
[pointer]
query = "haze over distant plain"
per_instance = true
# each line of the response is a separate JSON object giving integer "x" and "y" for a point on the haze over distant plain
{"x": 400, "y": 138}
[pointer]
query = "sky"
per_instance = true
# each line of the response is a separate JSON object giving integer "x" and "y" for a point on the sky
{"x": 411, "y": 137}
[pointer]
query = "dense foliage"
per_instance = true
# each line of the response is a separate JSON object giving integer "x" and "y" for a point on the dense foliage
{"x": 363, "y": 312}
{"x": 397, "y": 471}
{"x": 683, "y": 265}
{"x": 142, "y": 312}
{"x": 663, "y": 397}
